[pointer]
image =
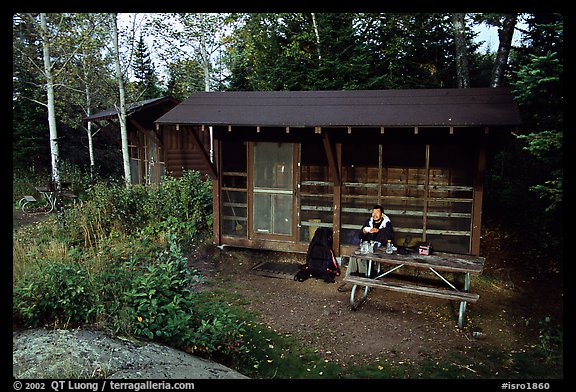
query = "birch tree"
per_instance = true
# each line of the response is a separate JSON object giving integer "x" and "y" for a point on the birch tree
{"x": 121, "y": 108}
{"x": 317, "y": 35}
{"x": 87, "y": 81}
{"x": 54, "y": 150}
{"x": 58, "y": 46}
{"x": 505, "y": 34}
{"x": 462, "y": 72}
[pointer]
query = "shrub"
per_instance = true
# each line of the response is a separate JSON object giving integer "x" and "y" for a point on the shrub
{"x": 178, "y": 206}
{"x": 183, "y": 206}
{"x": 163, "y": 307}
{"x": 54, "y": 292}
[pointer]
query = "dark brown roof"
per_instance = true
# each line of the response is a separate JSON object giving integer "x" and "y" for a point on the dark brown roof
{"x": 112, "y": 113}
{"x": 368, "y": 108}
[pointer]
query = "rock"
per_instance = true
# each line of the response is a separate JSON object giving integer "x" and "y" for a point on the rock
{"x": 78, "y": 353}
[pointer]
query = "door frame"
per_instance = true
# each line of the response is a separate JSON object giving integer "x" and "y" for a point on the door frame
{"x": 250, "y": 197}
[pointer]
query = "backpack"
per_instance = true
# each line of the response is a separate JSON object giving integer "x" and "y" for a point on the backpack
{"x": 320, "y": 261}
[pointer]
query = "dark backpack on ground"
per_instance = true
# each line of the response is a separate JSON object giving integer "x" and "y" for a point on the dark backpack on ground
{"x": 320, "y": 261}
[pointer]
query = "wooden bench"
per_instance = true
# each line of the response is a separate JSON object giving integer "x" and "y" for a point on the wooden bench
{"x": 437, "y": 263}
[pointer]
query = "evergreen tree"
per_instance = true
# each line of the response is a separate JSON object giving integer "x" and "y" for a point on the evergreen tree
{"x": 147, "y": 83}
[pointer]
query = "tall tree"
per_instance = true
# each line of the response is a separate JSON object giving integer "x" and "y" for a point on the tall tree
{"x": 462, "y": 72}
{"x": 121, "y": 108}
{"x": 54, "y": 151}
{"x": 147, "y": 83}
{"x": 191, "y": 36}
{"x": 185, "y": 76}
{"x": 506, "y": 28}
{"x": 195, "y": 37}
{"x": 88, "y": 87}
{"x": 29, "y": 127}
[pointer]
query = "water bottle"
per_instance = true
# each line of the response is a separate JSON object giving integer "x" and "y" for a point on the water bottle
{"x": 389, "y": 249}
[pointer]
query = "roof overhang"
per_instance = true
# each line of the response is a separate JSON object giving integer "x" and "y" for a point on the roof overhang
{"x": 112, "y": 113}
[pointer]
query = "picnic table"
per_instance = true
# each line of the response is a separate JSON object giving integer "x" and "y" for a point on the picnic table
{"x": 380, "y": 268}
{"x": 29, "y": 204}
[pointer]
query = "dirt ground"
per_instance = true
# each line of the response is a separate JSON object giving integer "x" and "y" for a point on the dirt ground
{"x": 392, "y": 326}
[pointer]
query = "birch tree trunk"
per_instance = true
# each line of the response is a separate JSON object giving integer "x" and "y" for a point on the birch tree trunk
{"x": 317, "y": 37}
{"x": 206, "y": 68}
{"x": 122, "y": 109}
{"x": 462, "y": 72}
{"x": 54, "y": 150}
{"x": 88, "y": 113}
{"x": 505, "y": 34}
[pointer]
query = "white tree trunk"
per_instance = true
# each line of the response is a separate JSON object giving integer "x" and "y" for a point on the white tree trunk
{"x": 462, "y": 73}
{"x": 206, "y": 67}
{"x": 317, "y": 36}
{"x": 54, "y": 151}
{"x": 91, "y": 150}
{"x": 122, "y": 109}
{"x": 88, "y": 113}
{"x": 505, "y": 35}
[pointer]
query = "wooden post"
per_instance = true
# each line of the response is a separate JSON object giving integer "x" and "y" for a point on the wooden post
{"x": 216, "y": 190}
{"x": 332, "y": 163}
{"x": 478, "y": 195}
{"x": 426, "y": 189}
{"x": 336, "y": 217}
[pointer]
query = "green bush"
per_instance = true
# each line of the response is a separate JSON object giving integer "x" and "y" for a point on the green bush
{"x": 124, "y": 269}
{"x": 163, "y": 307}
{"x": 183, "y": 206}
{"x": 159, "y": 298}
{"x": 178, "y": 206}
{"x": 55, "y": 292}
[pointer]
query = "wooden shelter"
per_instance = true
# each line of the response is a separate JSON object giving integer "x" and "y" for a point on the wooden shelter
{"x": 153, "y": 153}
{"x": 287, "y": 162}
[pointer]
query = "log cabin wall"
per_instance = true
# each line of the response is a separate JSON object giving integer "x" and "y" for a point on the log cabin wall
{"x": 426, "y": 180}
{"x": 180, "y": 151}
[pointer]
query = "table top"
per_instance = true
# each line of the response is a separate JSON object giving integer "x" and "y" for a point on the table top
{"x": 438, "y": 260}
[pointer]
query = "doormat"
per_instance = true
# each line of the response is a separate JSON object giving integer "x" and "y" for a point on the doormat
{"x": 275, "y": 270}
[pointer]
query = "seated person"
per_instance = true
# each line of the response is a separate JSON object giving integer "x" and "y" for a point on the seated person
{"x": 378, "y": 227}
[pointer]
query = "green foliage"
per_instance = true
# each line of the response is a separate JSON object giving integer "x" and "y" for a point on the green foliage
{"x": 546, "y": 146}
{"x": 184, "y": 205}
{"x": 163, "y": 307}
{"x": 159, "y": 296}
{"x": 147, "y": 85}
{"x": 181, "y": 207}
{"x": 352, "y": 51}
{"x": 55, "y": 292}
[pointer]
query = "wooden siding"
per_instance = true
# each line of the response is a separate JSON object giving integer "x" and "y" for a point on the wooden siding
{"x": 180, "y": 151}
{"x": 429, "y": 187}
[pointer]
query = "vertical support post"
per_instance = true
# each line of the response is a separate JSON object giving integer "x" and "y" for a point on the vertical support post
{"x": 477, "y": 197}
{"x": 462, "y": 311}
{"x": 426, "y": 188}
{"x": 337, "y": 211}
{"x": 380, "y": 174}
{"x": 216, "y": 191}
